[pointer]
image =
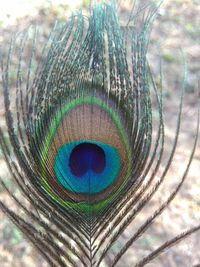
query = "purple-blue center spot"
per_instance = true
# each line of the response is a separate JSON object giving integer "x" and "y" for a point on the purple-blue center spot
{"x": 85, "y": 157}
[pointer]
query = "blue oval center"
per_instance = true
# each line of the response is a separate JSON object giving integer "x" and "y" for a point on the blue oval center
{"x": 87, "y": 166}
{"x": 85, "y": 157}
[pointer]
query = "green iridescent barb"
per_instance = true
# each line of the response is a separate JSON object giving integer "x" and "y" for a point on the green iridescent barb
{"x": 80, "y": 140}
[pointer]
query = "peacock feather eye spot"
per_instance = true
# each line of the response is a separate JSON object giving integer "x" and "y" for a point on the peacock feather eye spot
{"x": 87, "y": 162}
{"x": 85, "y": 157}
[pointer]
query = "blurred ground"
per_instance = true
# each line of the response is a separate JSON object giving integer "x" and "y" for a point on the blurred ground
{"x": 177, "y": 27}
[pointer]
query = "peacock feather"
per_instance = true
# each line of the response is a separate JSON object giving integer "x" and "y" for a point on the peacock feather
{"x": 79, "y": 141}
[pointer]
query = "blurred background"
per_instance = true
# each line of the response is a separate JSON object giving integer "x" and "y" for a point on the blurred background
{"x": 176, "y": 32}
